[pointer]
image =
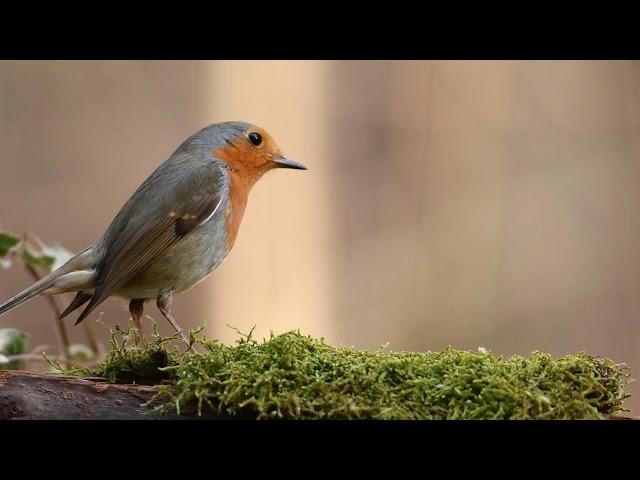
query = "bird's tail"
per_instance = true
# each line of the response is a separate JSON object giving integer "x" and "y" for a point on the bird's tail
{"x": 58, "y": 281}
{"x": 27, "y": 294}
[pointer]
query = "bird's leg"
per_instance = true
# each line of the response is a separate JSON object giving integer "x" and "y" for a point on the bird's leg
{"x": 164, "y": 305}
{"x": 136, "y": 307}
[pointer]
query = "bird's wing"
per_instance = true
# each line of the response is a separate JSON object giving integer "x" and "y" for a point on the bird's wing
{"x": 153, "y": 220}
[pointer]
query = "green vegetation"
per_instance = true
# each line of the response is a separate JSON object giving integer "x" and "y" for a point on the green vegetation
{"x": 39, "y": 259}
{"x": 292, "y": 376}
{"x": 31, "y": 251}
{"x": 13, "y": 343}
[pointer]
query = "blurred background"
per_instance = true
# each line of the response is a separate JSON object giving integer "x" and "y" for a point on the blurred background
{"x": 462, "y": 203}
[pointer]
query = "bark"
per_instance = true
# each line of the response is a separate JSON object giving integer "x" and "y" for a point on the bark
{"x": 31, "y": 396}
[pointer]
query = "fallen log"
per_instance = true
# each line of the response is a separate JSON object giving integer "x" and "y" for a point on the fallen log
{"x": 32, "y": 396}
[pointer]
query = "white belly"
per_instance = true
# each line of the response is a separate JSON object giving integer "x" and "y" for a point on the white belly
{"x": 186, "y": 263}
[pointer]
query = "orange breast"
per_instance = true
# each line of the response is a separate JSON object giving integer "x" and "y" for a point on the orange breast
{"x": 238, "y": 195}
{"x": 242, "y": 178}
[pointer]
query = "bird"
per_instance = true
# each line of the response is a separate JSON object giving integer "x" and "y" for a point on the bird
{"x": 174, "y": 231}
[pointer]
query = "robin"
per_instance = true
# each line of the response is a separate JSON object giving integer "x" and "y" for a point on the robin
{"x": 175, "y": 230}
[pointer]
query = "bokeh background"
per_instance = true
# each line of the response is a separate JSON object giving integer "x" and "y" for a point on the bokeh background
{"x": 462, "y": 203}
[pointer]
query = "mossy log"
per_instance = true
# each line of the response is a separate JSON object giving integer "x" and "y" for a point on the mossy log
{"x": 31, "y": 396}
{"x": 292, "y": 376}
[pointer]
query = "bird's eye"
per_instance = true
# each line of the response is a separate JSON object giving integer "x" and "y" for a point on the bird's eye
{"x": 255, "y": 138}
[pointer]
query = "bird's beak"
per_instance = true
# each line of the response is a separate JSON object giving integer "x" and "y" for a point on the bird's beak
{"x": 282, "y": 162}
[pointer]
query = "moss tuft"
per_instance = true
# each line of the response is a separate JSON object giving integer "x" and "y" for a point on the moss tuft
{"x": 132, "y": 359}
{"x": 292, "y": 376}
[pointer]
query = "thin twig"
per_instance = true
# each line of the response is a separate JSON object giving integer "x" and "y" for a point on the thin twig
{"x": 29, "y": 356}
{"x": 40, "y": 349}
{"x": 30, "y": 237}
{"x": 61, "y": 329}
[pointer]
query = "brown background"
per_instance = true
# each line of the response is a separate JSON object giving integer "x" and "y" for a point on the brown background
{"x": 447, "y": 203}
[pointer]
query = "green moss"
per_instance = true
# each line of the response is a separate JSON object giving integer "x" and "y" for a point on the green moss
{"x": 293, "y": 376}
{"x": 132, "y": 359}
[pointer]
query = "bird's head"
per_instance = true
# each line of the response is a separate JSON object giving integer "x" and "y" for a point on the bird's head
{"x": 248, "y": 150}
